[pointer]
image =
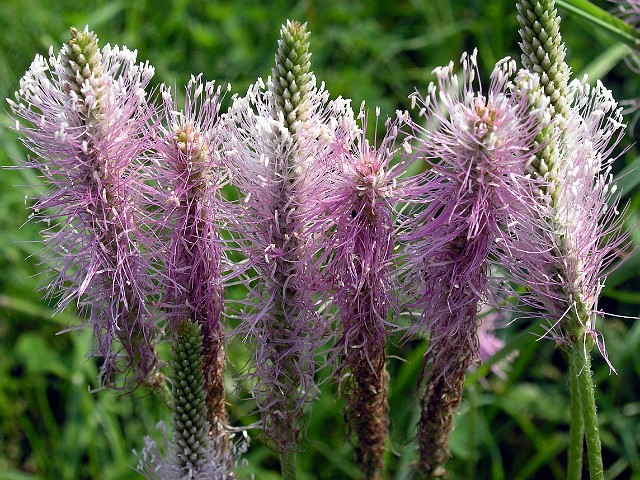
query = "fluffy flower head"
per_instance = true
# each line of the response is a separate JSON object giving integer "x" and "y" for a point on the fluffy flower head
{"x": 82, "y": 113}
{"x": 189, "y": 173}
{"x": 480, "y": 144}
{"x": 272, "y": 158}
{"x": 567, "y": 249}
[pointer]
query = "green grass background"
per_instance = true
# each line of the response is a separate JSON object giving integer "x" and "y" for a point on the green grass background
{"x": 53, "y": 427}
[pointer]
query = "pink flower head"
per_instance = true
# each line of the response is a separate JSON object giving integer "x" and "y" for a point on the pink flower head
{"x": 82, "y": 113}
{"x": 189, "y": 173}
{"x": 562, "y": 254}
{"x": 356, "y": 227}
{"x": 270, "y": 167}
{"x": 363, "y": 191}
{"x": 480, "y": 145}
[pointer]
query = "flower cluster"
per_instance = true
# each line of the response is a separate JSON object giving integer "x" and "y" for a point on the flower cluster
{"x": 83, "y": 113}
{"x": 277, "y": 136}
{"x": 332, "y": 236}
{"x": 479, "y": 146}
{"x": 355, "y": 218}
{"x": 188, "y": 170}
{"x": 565, "y": 250}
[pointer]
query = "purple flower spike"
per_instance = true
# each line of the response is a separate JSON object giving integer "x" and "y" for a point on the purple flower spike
{"x": 563, "y": 253}
{"x": 82, "y": 113}
{"x": 188, "y": 172}
{"x": 362, "y": 193}
{"x": 480, "y": 145}
{"x": 275, "y": 135}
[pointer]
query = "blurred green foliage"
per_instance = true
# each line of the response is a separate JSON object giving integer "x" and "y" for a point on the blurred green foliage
{"x": 52, "y": 425}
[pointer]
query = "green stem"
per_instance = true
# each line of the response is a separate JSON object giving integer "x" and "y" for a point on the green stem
{"x": 580, "y": 358}
{"x": 472, "y": 445}
{"x": 288, "y": 464}
{"x": 576, "y": 430}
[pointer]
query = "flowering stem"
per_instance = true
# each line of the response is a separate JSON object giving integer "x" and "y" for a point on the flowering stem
{"x": 288, "y": 464}
{"x": 292, "y": 80}
{"x": 576, "y": 430}
{"x": 479, "y": 166}
{"x": 544, "y": 53}
{"x": 190, "y": 170}
{"x": 190, "y": 426}
{"x": 84, "y": 109}
{"x": 580, "y": 368}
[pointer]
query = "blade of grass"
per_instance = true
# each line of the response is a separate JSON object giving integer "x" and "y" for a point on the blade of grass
{"x": 28, "y": 308}
{"x": 604, "y": 63}
{"x": 602, "y": 19}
